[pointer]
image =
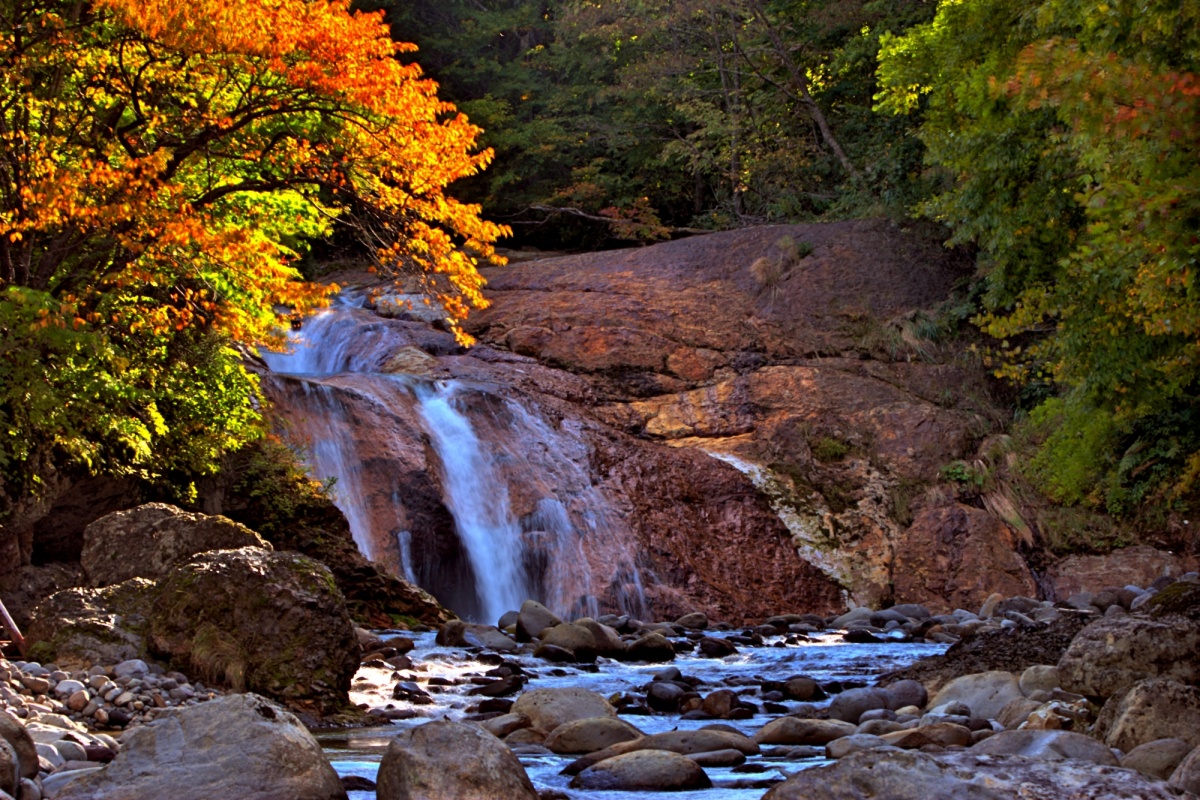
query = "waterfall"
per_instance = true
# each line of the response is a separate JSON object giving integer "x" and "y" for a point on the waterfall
{"x": 376, "y": 434}
{"x": 479, "y": 503}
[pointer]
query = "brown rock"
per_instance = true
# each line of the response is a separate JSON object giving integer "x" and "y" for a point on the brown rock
{"x": 1139, "y": 565}
{"x": 146, "y": 541}
{"x": 451, "y": 761}
{"x": 705, "y": 740}
{"x": 943, "y": 734}
{"x": 791, "y": 730}
{"x": 955, "y": 556}
{"x": 549, "y": 708}
{"x": 590, "y": 735}
{"x": 1157, "y": 759}
{"x": 22, "y": 744}
{"x": 1113, "y": 652}
{"x": 644, "y": 770}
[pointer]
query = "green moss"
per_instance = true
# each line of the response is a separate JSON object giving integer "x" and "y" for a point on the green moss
{"x": 827, "y": 448}
{"x": 1180, "y": 598}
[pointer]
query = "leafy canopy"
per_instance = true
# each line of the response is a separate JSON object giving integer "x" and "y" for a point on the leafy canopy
{"x": 163, "y": 162}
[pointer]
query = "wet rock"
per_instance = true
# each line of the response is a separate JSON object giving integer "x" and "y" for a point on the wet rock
{"x": 790, "y": 730}
{"x": 1048, "y": 745}
{"x": 719, "y": 758}
{"x": 985, "y": 693}
{"x": 696, "y": 621}
{"x": 148, "y": 540}
{"x": 849, "y": 706}
{"x": 575, "y": 639}
{"x": 652, "y": 647}
{"x": 505, "y": 724}
{"x": 802, "y": 688}
{"x": 549, "y": 708}
{"x": 185, "y": 755}
{"x": 1157, "y": 759}
{"x": 1152, "y": 709}
{"x": 712, "y": 647}
{"x": 607, "y": 641}
{"x": 269, "y": 622}
{"x": 451, "y": 761}
{"x": 720, "y": 703}
{"x": 456, "y": 633}
{"x": 532, "y": 619}
{"x": 590, "y": 735}
{"x": 644, "y": 770}
{"x": 913, "y": 775}
{"x": 684, "y": 743}
{"x": 1116, "y": 651}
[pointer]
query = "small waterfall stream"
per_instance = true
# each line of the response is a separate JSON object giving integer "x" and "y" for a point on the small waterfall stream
{"x": 377, "y": 434}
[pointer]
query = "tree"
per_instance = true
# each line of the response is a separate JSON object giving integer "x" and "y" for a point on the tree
{"x": 161, "y": 165}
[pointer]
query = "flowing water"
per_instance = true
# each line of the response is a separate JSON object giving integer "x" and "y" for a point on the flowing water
{"x": 568, "y": 549}
{"x": 823, "y": 657}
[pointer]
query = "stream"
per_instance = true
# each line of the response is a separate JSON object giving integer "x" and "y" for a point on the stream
{"x": 824, "y": 657}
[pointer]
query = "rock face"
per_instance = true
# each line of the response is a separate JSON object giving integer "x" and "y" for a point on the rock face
{"x": 1139, "y": 566}
{"x": 684, "y": 408}
{"x": 187, "y": 755}
{"x": 144, "y": 542}
{"x": 451, "y": 761}
{"x": 251, "y": 619}
{"x": 913, "y": 775}
{"x": 952, "y": 556}
{"x": 1114, "y": 652}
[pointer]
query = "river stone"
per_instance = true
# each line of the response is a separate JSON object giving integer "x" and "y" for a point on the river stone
{"x": 608, "y": 641}
{"x": 549, "y": 708}
{"x": 13, "y": 732}
{"x": 1157, "y": 759}
{"x": 189, "y": 753}
{"x": 10, "y": 768}
{"x": 1049, "y": 745}
{"x": 792, "y": 730}
{"x": 146, "y": 541}
{"x": 943, "y": 734}
{"x": 575, "y": 639}
{"x": 696, "y": 621}
{"x": 985, "y": 693}
{"x": 913, "y": 775}
{"x": 1157, "y": 708}
{"x": 1114, "y": 652}
{"x": 451, "y": 761}
{"x": 1186, "y": 776}
{"x": 906, "y": 693}
{"x": 505, "y": 724}
{"x": 847, "y": 745}
{"x": 719, "y": 758}
{"x": 714, "y": 647}
{"x": 1039, "y": 677}
{"x": 849, "y": 706}
{"x": 644, "y": 770}
{"x": 532, "y": 619}
{"x": 456, "y": 633}
{"x": 684, "y": 743}
{"x": 653, "y": 647}
{"x": 1017, "y": 711}
{"x": 590, "y": 735}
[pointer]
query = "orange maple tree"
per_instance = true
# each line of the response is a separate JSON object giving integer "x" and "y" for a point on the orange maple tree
{"x": 161, "y": 165}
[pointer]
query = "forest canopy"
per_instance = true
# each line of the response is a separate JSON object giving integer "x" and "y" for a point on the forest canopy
{"x": 162, "y": 166}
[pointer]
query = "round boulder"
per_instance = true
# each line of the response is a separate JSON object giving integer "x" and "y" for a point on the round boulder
{"x": 547, "y": 709}
{"x": 590, "y": 735}
{"x": 643, "y": 770}
{"x": 849, "y": 706}
{"x": 256, "y": 620}
{"x": 1157, "y": 759}
{"x": 451, "y": 761}
{"x": 532, "y": 619}
{"x": 793, "y": 730}
{"x": 652, "y": 647}
{"x": 985, "y": 693}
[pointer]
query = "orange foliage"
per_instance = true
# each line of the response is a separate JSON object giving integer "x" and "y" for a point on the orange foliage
{"x": 162, "y": 176}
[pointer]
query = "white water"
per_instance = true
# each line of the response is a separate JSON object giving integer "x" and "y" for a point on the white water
{"x": 478, "y": 502}
{"x": 550, "y": 554}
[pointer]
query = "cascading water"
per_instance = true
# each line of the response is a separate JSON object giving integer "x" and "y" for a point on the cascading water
{"x": 377, "y": 435}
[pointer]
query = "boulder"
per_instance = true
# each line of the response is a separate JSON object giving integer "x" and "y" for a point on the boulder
{"x": 456, "y": 633}
{"x": 607, "y": 640}
{"x": 848, "y": 745}
{"x": 575, "y": 639}
{"x": 505, "y": 724}
{"x": 22, "y": 744}
{"x": 451, "y": 761}
{"x": 1114, "y": 652}
{"x": 532, "y": 619}
{"x": 1157, "y": 759}
{"x": 849, "y": 706}
{"x": 705, "y": 740}
{"x": 1049, "y": 745}
{"x": 1186, "y": 776}
{"x": 590, "y": 735}
{"x": 793, "y": 730}
{"x": 913, "y": 775}
{"x": 696, "y": 621}
{"x": 256, "y": 620}
{"x": 985, "y": 693}
{"x": 906, "y": 693}
{"x": 1017, "y": 711}
{"x": 643, "y": 770}
{"x": 653, "y": 647}
{"x": 187, "y": 754}
{"x": 1139, "y": 565}
{"x": 547, "y": 709}
{"x": 942, "y": 734}
{"x": 146, "y": 541}
{"x": 1039, "y": 678}
{"x": 1152, "y": 709}
{"x": 10, "y": 769}
{"x": 82, "y": 627}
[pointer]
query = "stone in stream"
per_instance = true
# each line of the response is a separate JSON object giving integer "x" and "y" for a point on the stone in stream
{"x": 551, "y": 707}
{"x": 607, "y": 641}
{"x": 186, "y": 754}
{"x": 985, "y": 693}
{"x": 652, "y": 647}
{"x": 681, "y": 742}
{"x": 850, "y": 705}
{"x": 913, "y": 775}
{"x": 942, "y": 734}
{"x": 696, "y": 621}
{"x": 848, "y": 745}
{"x": 589, "y": 735}
{"x": 644, "y": 770}
{"x": 575, "y": 639}
{"x": 791, "y": 730}
{"x": 1157, "y": 759}
{"x": 713, "y": 647}
{"x": 451, "y": 761}
{"x": 532, "y": 619}
{"x": 456, "y": 633}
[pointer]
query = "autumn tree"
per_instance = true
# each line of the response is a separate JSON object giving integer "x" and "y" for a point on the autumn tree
{"x": 161, "y": 166}
{"x": 1070, "y": 133}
